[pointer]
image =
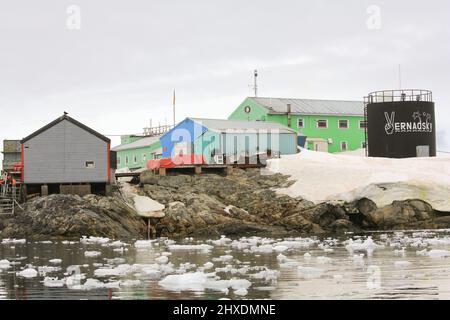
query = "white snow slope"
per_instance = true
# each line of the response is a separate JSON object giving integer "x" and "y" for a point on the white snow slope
{"x": 348, "y": 176}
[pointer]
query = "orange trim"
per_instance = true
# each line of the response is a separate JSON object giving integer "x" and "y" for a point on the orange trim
{"x": 108, "y": 150}
{"x": 22, "y": 157}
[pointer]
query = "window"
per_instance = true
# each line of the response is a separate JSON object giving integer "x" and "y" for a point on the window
{"x": 90, "y": 164}
{"x": 144, "y": 157}
{"x": 344, "y": 146}
{"x": 363, "y": 145}
{"x": 322, "y": 124}
{"x": 343, "y": 124}
{"x": 118, "y": 161}
{"x": 300, "y": 123}
{"x": 135, "y": 158}
{"x": 362, "y": 124}
{"x": 126, "y": 160}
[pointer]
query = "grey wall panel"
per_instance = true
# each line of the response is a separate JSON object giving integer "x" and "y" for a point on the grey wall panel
{"x": 59, "y": 155}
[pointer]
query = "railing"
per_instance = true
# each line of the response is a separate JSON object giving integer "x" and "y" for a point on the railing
{"x": 156, "y": 131}
{"x": 399, "y": 95}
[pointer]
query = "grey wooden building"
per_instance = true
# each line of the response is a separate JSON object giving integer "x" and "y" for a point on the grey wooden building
{"x": 67, "y": 157}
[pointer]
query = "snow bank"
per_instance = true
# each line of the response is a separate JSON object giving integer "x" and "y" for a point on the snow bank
{"x": 348, "y": 176}
{"x": 144, "y": 206}
{"x": 148, "y": 207}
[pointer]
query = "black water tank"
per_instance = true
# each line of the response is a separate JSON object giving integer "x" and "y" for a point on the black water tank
{"x": 400, "y": 124}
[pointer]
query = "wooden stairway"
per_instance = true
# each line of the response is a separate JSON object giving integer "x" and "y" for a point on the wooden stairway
{"x": 6, "y": 206}
{"x": 7, "y": 200}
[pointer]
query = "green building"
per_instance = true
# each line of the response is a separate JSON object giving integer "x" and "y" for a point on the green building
{"x": 329, "y": 125}
{"x": 134, "y": 151}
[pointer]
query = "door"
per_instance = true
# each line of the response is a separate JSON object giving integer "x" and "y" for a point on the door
{"x": 321, "y": 146}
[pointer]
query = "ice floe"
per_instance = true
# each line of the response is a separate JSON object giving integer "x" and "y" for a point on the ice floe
{"x": 28, "y": 273}
{"x": 94, "y": 240}
{"x": 14, "y": 241}
{"x": 92, "y": 254}
{"x": 55, "y": 261}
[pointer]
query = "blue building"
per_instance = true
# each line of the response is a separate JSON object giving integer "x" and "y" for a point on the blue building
{"x": 228, "y": 141}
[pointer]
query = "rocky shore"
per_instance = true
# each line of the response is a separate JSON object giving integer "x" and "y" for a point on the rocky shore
{"x": 240, "y": 204}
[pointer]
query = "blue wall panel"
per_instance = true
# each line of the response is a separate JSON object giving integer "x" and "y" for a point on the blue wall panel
{"x": 186, "y": 131}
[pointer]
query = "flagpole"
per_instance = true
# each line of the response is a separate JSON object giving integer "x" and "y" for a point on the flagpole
{"x": 174, "y": 107}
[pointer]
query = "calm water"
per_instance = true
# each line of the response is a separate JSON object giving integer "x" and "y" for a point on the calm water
{"x": 410, "y": 265}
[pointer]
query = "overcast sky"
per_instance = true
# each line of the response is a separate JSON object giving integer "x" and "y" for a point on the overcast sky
{"x": 119, "y": 69}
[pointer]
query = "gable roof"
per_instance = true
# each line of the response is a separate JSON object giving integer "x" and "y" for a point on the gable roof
{"x": 60, "y": 119}
{"x": 141, "y": 143}
{"x": 311, "y": 106}
{"x": 223, "y": 124}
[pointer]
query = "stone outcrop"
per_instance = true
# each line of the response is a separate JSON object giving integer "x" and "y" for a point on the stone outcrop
{"x": 247, "y": 201}
{"x": 67, "y": 216}
{"x": 242, "y": 203}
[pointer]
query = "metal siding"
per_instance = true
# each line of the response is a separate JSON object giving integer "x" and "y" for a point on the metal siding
{"x": 288, "y": 143}
{"x": 186, "y": 131}
{"x": 58, "y": 155}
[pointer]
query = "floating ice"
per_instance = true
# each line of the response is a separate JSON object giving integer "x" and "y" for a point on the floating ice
{"x": 143, "y": 243}
{"x": 69, "y": 242}
{"x": 4, "y": 264}
{"x": 357, "y": 245}
{"x": 280, "y": 248}
{"x": 28, "y": 273}
{"x": 223, "y": 258}
{"x": 54, "y": 282}
{"x": 241, "y": 292}
{"x": 208, "y": 265}
{"x": 120, "y": 270}
{"x": 267, "y": 275}
{"x": 115, "y": 261}
{"x": 185, "y": 282}
{"x": 43, "y": 270}
{"x": 14, "y": 241}
{"x": 237, "y": 284}
{"x": 55, "y": 261}
{"x": 201, "y": 247}
{"x": 130, "y": 283}
{"x": 223, "y": 241}
{"x": 116, "y": 244}
{"x": 94, "y": 240}
{"x": 92, "y": 254}
{"x": 162, "y": 259}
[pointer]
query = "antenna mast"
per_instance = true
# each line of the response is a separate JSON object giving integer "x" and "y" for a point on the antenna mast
{"x": 255, "y": 85}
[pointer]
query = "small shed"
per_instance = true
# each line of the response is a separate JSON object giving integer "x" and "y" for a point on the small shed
{"x": 228, "y": 141}
{"x": 67, "y": 157}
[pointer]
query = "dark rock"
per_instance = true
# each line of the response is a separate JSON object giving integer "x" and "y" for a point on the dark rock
{"x": 67, "y": 216}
